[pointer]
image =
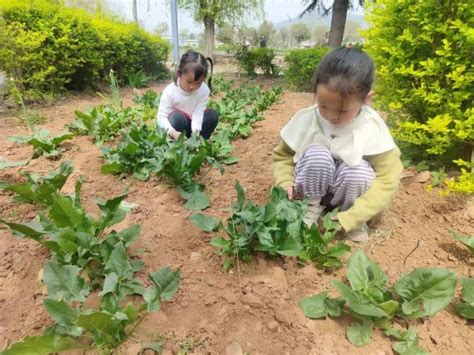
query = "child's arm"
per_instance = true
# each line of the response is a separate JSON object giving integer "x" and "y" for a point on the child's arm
{"x": 388, "y": 169}
{"x": 283, "y": 165}
{"x": 198, "y": 113}
{"x": 164, "y": 110}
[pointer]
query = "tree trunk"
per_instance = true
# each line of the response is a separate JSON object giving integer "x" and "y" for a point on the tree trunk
{"x": 209, "y": 28}
{"x": 338, "y": 22}
{"x": 134, "y": 10}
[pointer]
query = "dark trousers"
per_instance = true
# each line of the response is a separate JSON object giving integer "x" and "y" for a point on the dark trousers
{"x": 182, "y": 122}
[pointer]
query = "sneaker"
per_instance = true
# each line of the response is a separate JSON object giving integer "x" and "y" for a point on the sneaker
{"x": 360, "y": 234}
{"x": 315, "y": 209}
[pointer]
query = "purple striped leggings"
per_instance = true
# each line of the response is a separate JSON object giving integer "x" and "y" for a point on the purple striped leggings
{"x": 319, "y": 176}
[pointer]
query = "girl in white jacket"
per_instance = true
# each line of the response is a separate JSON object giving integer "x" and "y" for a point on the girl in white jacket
{"x": 183, "y": 104}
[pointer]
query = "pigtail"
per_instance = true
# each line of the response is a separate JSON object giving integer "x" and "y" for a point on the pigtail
{"x": 209, "y": 82}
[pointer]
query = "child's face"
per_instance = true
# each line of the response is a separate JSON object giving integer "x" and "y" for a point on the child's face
{"x": 188, "y": 84}
{"x": 336, "y": 108}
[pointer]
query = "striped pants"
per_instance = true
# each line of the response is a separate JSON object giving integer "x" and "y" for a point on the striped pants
{"x": 319, "y": 176}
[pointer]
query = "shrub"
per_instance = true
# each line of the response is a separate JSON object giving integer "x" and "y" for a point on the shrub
{"x": 253, "y": 59}
{"x": 423, "y": 51}
{"x": 301, "y": 66}
{"x": 48, "y": 48}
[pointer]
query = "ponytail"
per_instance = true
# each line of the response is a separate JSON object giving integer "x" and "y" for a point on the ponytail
{"x": 209, "y": 82}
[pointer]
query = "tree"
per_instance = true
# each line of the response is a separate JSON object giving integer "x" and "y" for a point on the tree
{"x": 212, "y": 12}
{"x": 301, "y": 32}
{"x": 351, "y": 31}
{"x": 320, "y": 32}
{"x": 339, "y": 10}
{"x": 226, "y": 33}
{"x": 161, "y": 29}
{"x": 266, "y": 30}
{"x": 135, "y": 11}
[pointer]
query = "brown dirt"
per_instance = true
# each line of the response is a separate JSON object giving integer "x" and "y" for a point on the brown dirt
{"x": 211, "y": 310}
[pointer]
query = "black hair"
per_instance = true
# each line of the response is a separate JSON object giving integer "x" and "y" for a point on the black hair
{"x": 347, "y": 71}
{"x": 196, "y": 62}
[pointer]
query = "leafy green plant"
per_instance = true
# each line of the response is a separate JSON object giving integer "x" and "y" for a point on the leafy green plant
{"x": 301, "y": 66}
{"x": 86, "y": 258}
{"x": 92, "y": 44}
{"x": 146, "y": 151}
{"x": 425, "y": 79}
{"x": 137, "y": 79}
{"x": 40, "y": 190}
{"x": 29, "y": 117}
{"x": 466, "y": 240}
{"x": 104, "y": 122}
{"x": 421, "y": 293}
{"x": 316, "y": 246}
{"x": 275, "y": 228}
{"x": 147, "y": 103}
{"x": 253, "y": 59}
{"x": 42, "y": 143}
{"x": 466, "y": 308}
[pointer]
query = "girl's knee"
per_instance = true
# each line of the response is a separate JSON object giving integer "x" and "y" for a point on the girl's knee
{"x": 318, "y": 155}
{"x": 360, "y": 176}
{"x": 211, "y": 116}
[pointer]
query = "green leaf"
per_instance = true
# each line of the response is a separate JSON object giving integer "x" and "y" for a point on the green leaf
{"x": 112, "y": 168}
{"x": 220, "y": 242}
{"x": 425, "y": 292}
{"x": 357, "y": 303}
{"x": 63, "y": 282}
{"x": 64, "y": 213}
{"x": 64, "y": 316}
{"x": 320, "y": 306}
{"x": 467, "y": 241}
{"x": 360, "y": 334}
{"x": 119, "y": 262}
{"x": 205, "y": 223}
{"x": 466, "y": 309}
{"x": 408, "y": 344}
{"x": 166, "y": 283}
{"x": 104, "y": 328}
{"x": 12, "y": 164}
{"x": 32, "y": 231}
{"x": 41, "y": 345}
{"x": 197, "y": 200}
{"x": 363, "y": 274}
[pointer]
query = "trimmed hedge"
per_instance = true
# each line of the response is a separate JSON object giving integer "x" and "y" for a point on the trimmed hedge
{"x": 48, "y": 48}
{"x": 301, "y": 66}
{"x": 425, "y": 79}
{"x": 257, "y": 58}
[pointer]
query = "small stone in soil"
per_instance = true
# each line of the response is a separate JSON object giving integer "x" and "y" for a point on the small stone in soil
{"x": 272, "y": 325}
{"x": 234, "y": 348}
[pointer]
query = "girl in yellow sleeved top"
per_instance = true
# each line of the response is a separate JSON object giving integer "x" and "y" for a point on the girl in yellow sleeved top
{"x": 339, "y": 152}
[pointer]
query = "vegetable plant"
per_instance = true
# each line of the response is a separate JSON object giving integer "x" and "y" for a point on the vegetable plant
{"x": 87, "y": 256}
{"x": 276, "y": 228}
{"x": 42, "y": 143}
{"x": 421, "y": 293}
{"x": 40, "y": 190}
{"x": 146, "y": 151}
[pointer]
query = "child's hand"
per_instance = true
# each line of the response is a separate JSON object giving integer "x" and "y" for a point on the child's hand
{"x": 175, "y": 134}
{"x": 291, "y": 192}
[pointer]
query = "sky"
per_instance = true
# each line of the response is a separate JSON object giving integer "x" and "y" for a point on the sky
{"x": 158, "y": 11}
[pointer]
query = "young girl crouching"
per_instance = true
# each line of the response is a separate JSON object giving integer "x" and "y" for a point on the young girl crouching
{"x": 339, "y": 152}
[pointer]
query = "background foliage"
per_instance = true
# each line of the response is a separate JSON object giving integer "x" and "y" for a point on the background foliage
{"x": 48, "y": 48}
{"x": 423, "y": 51}
{"x": 301, "y": 66}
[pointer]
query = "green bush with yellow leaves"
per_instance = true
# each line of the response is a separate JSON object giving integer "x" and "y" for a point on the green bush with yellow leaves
{"x": 49, "y": 48}
{"x": 423, "y": 51}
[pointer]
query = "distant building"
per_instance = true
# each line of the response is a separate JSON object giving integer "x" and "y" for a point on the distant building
{"x": 307, "y": 44}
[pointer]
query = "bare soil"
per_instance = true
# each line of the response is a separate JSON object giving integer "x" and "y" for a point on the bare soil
{"x": 215, "y": 311}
